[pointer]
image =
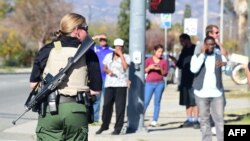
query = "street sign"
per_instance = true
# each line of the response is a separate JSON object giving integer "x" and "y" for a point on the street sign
{"x": 166, "y": 21}
{"x": 190, "y": 26}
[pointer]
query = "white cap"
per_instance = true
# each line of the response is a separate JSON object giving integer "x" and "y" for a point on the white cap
{"x": 118, "y": 42}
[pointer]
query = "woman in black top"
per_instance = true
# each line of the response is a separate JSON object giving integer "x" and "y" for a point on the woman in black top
{"x": 70, "y": 122}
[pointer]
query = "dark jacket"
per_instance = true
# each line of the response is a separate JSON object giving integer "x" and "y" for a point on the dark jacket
{"x": 183, "y": 63}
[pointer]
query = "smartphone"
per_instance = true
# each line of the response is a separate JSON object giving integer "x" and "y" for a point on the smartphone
{"x": 156, "y": 65}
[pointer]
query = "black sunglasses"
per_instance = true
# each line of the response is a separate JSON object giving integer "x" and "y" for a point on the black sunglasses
{"x": 103, "y": 39}
{"x": 85, "y": 28}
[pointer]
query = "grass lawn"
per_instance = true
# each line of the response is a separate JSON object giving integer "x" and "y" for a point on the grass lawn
{"x": 238, "y": 94}
{"x": 13, "y": 69}
{"x": 7, "y": 69}
{"x": 243, "y": 120}
{"x": 238, "y": 117}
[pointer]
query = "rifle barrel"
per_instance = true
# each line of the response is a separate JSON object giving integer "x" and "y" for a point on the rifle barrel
{"x": 14, "y": 121}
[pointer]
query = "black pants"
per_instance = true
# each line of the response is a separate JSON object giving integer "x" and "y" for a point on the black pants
{"x": 118, "y": 96}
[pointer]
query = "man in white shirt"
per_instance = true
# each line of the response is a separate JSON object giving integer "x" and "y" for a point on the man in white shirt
{"x": 208, "y": 88}
{"x": 213, "y": 31}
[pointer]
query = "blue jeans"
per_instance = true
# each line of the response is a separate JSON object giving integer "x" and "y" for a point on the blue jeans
{"x": 215, "y": 107}
{"x": 97, "y": 104}
{"x": 157, "y": 89}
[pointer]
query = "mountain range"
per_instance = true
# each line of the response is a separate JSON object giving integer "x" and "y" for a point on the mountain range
{"x": 97, "y": 10}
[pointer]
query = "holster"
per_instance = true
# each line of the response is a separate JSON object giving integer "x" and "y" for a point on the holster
{"x": 85, "y": 98}
{"x": 42, "y": 110}
{"x": 88, "y": 101}
{"x": 50, "y": 103}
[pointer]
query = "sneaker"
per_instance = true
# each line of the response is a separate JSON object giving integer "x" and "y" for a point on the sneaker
{"x": 187, "y": 124}
{"x": 100, "y": 131}
{"x": 115, "y": 133}
{"x": 153, "y": 123}
{"x": 196, "y": 125}
{"x": 213, "y": 130}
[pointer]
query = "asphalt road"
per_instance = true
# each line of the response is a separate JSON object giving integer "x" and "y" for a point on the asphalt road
{"x": 14, "y": 89}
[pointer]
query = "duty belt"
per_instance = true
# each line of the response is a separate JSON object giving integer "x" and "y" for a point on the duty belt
{"x": 65, "y": 99}
{"x": 80, "y": 97}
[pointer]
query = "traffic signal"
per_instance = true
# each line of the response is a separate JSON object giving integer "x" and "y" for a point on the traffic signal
{"x": 162, "y": 6}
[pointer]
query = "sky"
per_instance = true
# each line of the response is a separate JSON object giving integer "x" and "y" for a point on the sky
{"x": 108, "y": 10}
{"x": 98, "y": 10}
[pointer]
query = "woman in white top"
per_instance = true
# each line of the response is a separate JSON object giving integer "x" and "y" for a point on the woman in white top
{"x": 116, "y": 83}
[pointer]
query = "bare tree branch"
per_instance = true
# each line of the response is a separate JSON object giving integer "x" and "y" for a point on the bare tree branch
{"x": 37, "y": 19}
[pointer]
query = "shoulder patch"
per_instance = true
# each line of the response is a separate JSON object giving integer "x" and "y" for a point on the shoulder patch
{"x": 58, "y": 45}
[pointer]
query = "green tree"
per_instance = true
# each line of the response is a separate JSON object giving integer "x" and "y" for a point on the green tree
{"x": 148, "y": 24}
{"x": 10, "y": 47}
{"x": 236, "y": 13}
{"x": 108, "y": 28}
{"x": 177, "y": 28}
{"x": 229, "y": 7}
{"x": 187, "y": 12}
{"x": 123, "y": 22}
{"x": 5, "y": 8}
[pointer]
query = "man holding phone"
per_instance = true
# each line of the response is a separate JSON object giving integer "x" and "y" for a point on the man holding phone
{"x": 208, "y": 88}
{"x": 212, "y": 30}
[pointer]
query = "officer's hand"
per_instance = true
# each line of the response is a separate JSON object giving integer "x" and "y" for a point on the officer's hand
{"x": 33, "y": 84}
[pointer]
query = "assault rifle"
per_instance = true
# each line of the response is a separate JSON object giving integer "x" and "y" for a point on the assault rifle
{"x": 56, "y": 81}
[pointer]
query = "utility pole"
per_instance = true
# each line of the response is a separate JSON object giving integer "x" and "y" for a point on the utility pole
{"x": 248, "y": 29}
{"x": 221, "y": 19}
{"x": 166, "y": 41}
{"x": 137, "y": 37}
{"x": 89, "y": 13}
{"x": 248, "y": 33}
{"x": 205, "y": 18}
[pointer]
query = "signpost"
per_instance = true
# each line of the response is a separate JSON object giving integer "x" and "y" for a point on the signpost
{"x": 166, "y": 21}
{"x": 166, "y": 24}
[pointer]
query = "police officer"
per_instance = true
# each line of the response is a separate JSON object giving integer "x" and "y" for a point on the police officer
{"x": 70, "y": 122}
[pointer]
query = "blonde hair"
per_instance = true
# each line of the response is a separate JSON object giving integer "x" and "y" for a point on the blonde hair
{"x": 69, "y": 23}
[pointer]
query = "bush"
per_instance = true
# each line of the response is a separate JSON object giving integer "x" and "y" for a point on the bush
{"x": 11, "y": 62}
{"x": 21, "y": 59}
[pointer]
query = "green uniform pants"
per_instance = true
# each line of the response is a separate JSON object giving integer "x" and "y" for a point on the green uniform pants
{"x": 70, "y": 124}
